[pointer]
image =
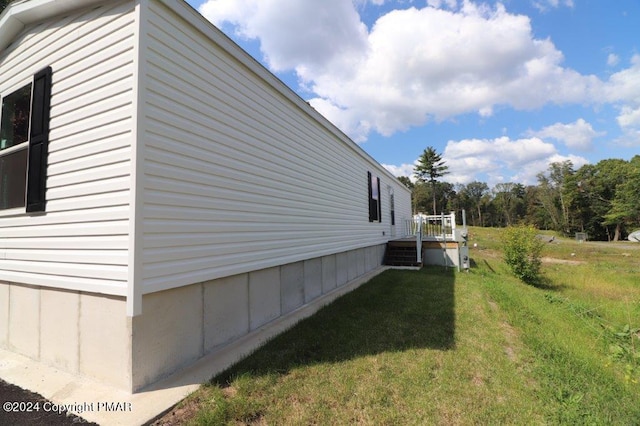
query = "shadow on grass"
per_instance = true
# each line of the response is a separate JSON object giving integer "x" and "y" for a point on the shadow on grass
{"x": 545, "y": 283}
{"x": 396, "y": 311}
{"x": 473, "y": 264}
{"x": 541, "y": 281}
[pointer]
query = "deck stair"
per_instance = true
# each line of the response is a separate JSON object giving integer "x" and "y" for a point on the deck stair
{"x": 401, "y": 253}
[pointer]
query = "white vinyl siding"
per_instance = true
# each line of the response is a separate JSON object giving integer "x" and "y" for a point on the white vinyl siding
{"x": 81, "y": 241}
{"x": 402, "y": 206}
{"x": 241, "y": 174}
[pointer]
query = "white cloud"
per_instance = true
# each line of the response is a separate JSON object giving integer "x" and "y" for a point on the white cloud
{"x": 624, "y": 86}
{"x": 295, "y": 34}
{"x": 578, "y": 135}
{"x": 501, "y": 159}
{"x": 623, "y": 89}
{"x": 630, "y": 138}
{"x": 345, "y": 119}
{"x": 438, "y": 4}
{"x": 362, "y": 3}
{"x": 613, "y": 59}
{"x": 413, "y": 66}
{"x": 435, "y": 64}
{"x": 629, "y": 117}
{"x": 402, "y": 170}
{"x": 629, "y": 121}
{"x": 545, "y": 5}
{"x": 495, "y": 160}
{"x": 513, "y": 153}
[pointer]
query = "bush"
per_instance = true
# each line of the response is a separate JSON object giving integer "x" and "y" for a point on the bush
{"x": 522, "y": 252}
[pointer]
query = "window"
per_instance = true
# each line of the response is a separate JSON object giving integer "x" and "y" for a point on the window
{"x": 24, "y": 137}
{"x": 16, "y": 109}
{"x": 375, "y": 207}
{"x": 392, "y": 206}
{"x": 14, "y": 144}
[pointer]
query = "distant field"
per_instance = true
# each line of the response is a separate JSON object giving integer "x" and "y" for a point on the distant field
{"x": 441, "y": 347}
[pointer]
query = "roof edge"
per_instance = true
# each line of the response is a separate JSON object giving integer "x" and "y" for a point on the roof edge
{"x": 21, "y": 13}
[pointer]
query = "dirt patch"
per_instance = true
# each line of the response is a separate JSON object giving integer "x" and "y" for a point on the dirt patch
{"x": 187, "y": 410}
{"x": 562, "y": 261}
{"x": 179, "y": 415}
{"x": 510, "y": 335}
{"x": 477, "y": 380}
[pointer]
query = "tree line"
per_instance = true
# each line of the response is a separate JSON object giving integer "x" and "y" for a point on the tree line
{"x": 602, "y": 200}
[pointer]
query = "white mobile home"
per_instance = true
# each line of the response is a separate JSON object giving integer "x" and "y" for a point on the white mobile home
{"x": 162, "y": 194}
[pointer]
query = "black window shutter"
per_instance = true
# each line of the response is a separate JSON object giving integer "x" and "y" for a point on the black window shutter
{"x": 371, "y": 209}
{"x": 39, "y": 141}
{"x": 379, "y": 201}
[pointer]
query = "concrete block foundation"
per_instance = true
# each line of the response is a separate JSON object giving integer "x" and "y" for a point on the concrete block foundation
{"x": 264, "y": 296}
{"x": 225, "y": 299}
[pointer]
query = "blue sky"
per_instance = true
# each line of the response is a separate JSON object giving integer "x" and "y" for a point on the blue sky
{"x": 501, "y": 89}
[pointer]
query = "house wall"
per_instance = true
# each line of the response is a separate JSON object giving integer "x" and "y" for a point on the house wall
{"x": 81, "y": 242}
{"x": 240, "y": 174}
{"x": 246, "y": 198}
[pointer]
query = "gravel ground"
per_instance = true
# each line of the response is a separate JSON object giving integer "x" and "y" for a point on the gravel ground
{"x": 21, "y": 407}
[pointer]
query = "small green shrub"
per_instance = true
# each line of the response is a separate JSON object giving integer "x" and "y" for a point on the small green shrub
{"x": 623, "y": 349}
{"x": 522, "y": 252}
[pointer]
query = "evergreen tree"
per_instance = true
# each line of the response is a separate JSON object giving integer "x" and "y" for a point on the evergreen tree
{"x": 430, "y": 167}
{"x": 406, "y": 181}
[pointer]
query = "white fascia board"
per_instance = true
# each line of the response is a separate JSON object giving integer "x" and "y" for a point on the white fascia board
{"x": 19, "y": 14}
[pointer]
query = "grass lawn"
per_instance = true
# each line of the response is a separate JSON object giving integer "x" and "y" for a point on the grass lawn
{"x": 441, "y": 347}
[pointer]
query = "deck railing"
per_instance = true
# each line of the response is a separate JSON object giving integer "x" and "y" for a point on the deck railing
{"x": 433, "y": 227}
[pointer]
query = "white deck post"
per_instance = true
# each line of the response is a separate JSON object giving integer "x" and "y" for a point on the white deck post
{"x": 453, "y": 224}
{"x": 419, "y": 241}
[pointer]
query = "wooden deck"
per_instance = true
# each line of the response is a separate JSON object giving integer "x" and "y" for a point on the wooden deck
{"x": 427, "y": 242}
{"x": 403, "y": 252}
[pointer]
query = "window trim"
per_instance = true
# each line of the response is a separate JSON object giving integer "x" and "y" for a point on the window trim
{"x": 375, "y": 205}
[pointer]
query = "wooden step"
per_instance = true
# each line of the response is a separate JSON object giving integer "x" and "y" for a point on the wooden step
{"x": 401, "y": 254}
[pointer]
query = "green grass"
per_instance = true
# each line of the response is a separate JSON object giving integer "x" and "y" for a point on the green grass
{"x": 440, "y": 347}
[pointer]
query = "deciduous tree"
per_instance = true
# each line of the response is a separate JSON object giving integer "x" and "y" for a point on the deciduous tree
{"x": 509, "y": 199}
{"x": 551, "y": 194}
{"x": 475, "y": 192}
{"x": 590, "y": 192}
{"x": 625, "y": 207}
